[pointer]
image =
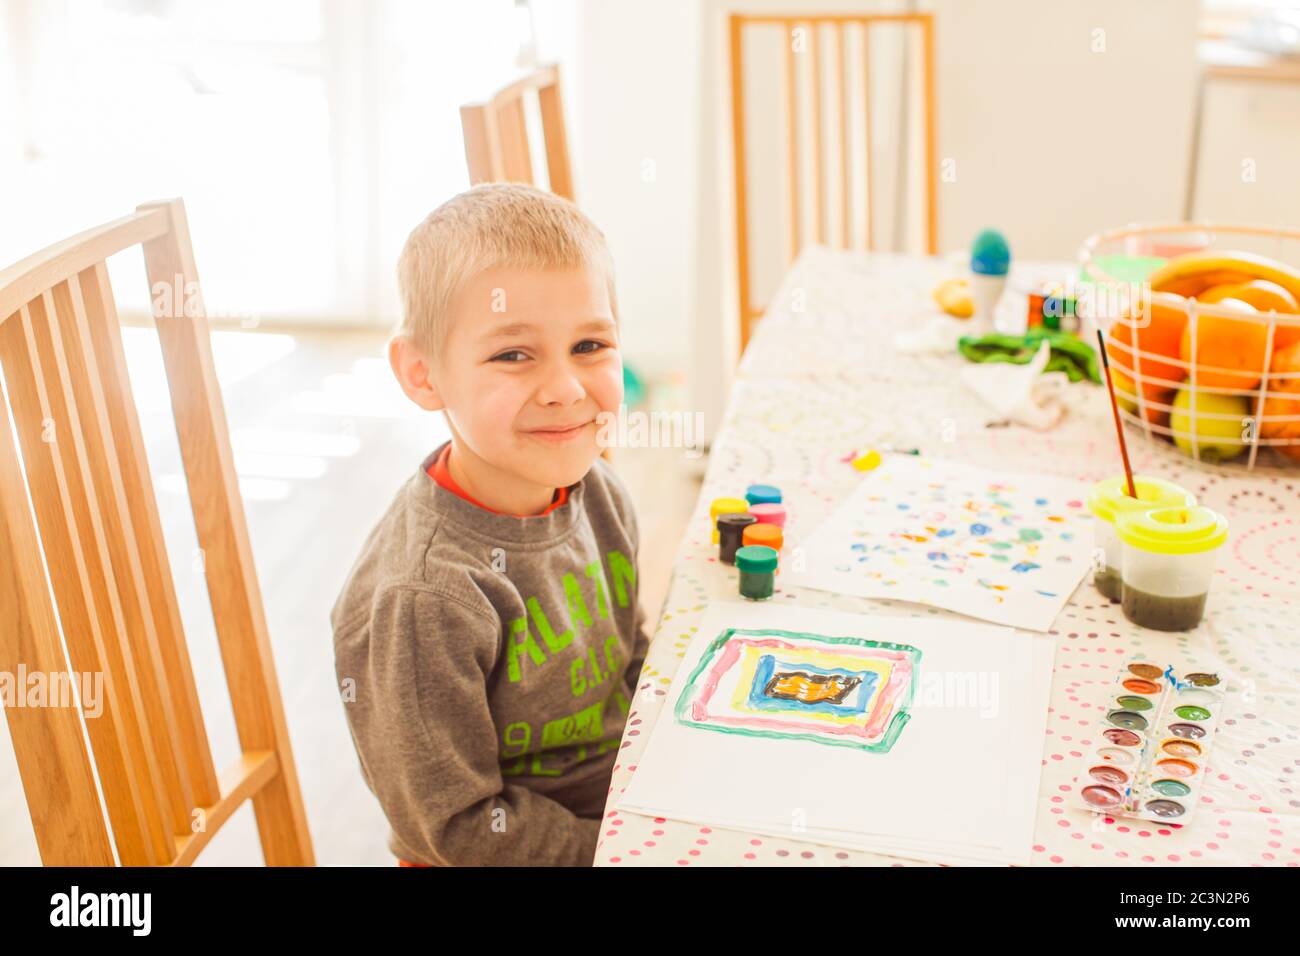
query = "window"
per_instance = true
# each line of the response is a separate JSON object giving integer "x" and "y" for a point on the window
{"x": 306, "y": 136}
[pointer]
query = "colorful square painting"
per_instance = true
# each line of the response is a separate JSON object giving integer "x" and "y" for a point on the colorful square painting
{"x": 1002, "y": 547}
{"x": 842, "y": 691}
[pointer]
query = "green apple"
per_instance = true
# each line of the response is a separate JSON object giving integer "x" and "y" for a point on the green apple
{"x": 1156, "y": 399}
{"x": 1125, "y": 391}
{"x": 1219, "y": 438}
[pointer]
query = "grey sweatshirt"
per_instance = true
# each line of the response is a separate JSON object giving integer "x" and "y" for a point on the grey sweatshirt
{"x": 487, "y": 664}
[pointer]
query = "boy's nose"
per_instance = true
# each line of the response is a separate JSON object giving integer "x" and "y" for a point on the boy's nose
{"x": 561, "y": 387}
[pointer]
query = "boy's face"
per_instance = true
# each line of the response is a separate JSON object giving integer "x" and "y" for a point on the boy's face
{"x": 530, "y": 360}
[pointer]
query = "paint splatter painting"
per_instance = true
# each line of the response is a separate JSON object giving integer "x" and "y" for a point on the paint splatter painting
{"x": 1005, "y": 548}
{"x": 785, "y": 685}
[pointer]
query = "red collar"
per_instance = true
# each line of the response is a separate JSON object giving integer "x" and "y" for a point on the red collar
{"x": 439, "y": 472}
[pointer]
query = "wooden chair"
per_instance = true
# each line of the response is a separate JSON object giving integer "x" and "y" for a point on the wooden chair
{"x": 496, "y": 134}
{"x": 850, "y": 38}
{"x": 100, "y": 535}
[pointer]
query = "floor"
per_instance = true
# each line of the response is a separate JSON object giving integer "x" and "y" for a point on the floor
{"x": 322, "y": 437}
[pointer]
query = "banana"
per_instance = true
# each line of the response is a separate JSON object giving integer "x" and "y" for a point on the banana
{"x": 1255, "y": 266}
{"x": 1191, "y": 286}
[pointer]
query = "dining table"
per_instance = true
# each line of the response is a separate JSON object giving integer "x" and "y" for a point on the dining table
{"x": 822, "y": 382}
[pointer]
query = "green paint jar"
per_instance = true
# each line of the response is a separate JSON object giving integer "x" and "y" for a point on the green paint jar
{"x": 757, "y": 566}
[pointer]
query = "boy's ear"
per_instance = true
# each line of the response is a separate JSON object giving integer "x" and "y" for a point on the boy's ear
{"x": 412, "y": 372}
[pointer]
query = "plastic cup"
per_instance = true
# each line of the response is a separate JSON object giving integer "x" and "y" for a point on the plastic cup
{"x": 1168, "y": 557}
{"x": 1108, "y": 499}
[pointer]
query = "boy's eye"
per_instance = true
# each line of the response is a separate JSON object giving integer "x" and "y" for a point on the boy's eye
{"x": 514, "y": 355}
{"x": 587, "y": 346}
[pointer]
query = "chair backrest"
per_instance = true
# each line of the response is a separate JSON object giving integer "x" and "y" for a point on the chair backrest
{"x": 827, "y": 94}
{"x": 496, "y": 134}
{"x": 100, "y": 536}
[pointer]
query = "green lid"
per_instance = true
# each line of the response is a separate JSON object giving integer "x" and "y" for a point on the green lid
{"x": 1173, "y": 530}
{"x": 1109, "y": 497}
{"x": 756, "y": 558}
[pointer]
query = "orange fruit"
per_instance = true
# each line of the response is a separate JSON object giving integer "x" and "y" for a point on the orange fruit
{"x": 1259, "y": 293}
{"x": 1266, "y": 297}
{"x": 1287, "y": 360}
{"x": 1162, "y": 335}
{"x": 1230, "y": 353}
{"x": 1285, "y": 336}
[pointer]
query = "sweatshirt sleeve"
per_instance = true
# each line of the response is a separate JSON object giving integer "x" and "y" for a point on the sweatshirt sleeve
{"x": 427, "y": 742}
{"x": 642, "y": 647}
{"x": 642, "y": 639}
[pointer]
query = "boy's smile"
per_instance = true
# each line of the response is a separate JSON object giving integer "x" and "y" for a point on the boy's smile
{"x": 530, "y": 360}
{"x": 560, "y": 434}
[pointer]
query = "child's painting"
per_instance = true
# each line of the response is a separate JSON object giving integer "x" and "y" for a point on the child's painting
{"x": 912, "y": 736}
{"x": 841, "y": 691}
{"x": 1001, "y": 547}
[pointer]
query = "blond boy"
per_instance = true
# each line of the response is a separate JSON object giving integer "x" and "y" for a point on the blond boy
{"x": 491, "y": 624}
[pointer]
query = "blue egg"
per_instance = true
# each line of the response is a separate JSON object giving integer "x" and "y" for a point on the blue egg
{"x": 989, "y": 254}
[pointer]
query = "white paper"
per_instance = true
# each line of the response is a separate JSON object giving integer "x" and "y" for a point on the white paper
{"x": 1007, "y": 548}
{"x": 959, "y": 784}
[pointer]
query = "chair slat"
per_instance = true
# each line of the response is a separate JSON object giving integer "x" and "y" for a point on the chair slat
{"x": 189, "y": 731}
{"x": 48, "y": 742}
{"x": 931, "y": 148}
{"x": 869, "y": 159}
{"x": 841, "y": 97}
{"x": 555, "y": 140}
{"x": 76, "y": 557}
{"x": 233, "y": 591}
{"x": 481, "y": 152}
{"x": 102, "y": 461}
{"x": 815, "y": 89}
{"x": 792, "y": 140}
{"x": 738, "y": 159}
{"x": 516, "y": 161}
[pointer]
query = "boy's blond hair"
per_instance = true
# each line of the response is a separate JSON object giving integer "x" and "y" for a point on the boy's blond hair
{"x": 493, "y": 225}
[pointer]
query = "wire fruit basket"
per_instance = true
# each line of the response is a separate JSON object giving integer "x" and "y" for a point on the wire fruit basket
{"x": 1202, "y": 329}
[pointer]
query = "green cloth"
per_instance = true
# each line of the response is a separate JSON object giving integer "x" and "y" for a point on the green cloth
{"x": 1069, "y": 354}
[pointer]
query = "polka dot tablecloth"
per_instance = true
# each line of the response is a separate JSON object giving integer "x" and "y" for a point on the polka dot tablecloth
{"x": 820, "y": 381}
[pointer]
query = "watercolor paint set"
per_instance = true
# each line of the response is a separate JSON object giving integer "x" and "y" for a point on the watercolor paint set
{"x": 1149, "y": 760}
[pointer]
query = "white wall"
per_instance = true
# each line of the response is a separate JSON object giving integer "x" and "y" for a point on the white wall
{"x": 1250, "y": 141}
{"x": 631, "y": 97}
{"x": 1053, "y": 141}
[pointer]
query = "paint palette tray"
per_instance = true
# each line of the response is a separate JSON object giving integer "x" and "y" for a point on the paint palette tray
{"x": 1149, "y": 762}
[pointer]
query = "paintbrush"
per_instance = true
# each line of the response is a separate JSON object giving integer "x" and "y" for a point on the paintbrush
{"x": 1114, "y": 408}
